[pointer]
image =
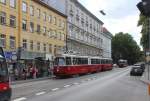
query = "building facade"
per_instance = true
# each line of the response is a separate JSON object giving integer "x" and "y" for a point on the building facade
{"x": 84, "y": 30}
{"x": 32, "y": 25}
{"x": 107, "y": 37}
{"x": 31, "y": 32}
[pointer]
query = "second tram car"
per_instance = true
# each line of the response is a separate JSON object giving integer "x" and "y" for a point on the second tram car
{"x": 68, "y": 65}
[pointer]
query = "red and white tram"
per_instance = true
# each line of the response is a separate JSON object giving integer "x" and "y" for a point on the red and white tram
{"x": 68, "y": 65}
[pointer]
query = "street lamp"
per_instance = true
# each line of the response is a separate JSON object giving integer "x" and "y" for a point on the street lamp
{"x": 102, "y": 12}
{"x": 144, "y": 7}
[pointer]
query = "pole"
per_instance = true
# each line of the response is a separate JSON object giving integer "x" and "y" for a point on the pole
{"x": 148, "y": 27}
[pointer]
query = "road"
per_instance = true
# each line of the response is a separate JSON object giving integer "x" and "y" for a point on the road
{"x": 115, "y": 85}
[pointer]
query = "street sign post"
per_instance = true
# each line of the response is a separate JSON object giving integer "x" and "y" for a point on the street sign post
{"x": 144, "y": 7}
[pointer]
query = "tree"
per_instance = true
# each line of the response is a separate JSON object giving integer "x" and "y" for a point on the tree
{"x": 143, "y": 21}
{"x": 124, "y": 47}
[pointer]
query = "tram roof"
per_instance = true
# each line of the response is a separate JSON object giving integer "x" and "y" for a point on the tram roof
{"x": 70, "y": 55}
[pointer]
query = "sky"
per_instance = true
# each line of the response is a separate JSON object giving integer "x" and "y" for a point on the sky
{"x": 121, "y": 15}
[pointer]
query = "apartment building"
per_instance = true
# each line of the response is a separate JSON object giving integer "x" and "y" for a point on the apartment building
{"x": 31, "y": 27}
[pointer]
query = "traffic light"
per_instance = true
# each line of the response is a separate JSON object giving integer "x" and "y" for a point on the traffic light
{"x": 144, "y": 7}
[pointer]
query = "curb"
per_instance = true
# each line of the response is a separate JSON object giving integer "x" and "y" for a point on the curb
{"x": 31, "y": 80}
{"x": 144, "y": 80}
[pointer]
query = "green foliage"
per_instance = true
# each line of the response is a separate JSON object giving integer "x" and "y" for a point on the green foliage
{"x": 124, "y": 47}
{"x": 143, "y": 21}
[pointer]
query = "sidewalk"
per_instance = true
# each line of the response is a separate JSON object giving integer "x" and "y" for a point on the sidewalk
{"x": 30, "y": 80}
{"x": 146, "y": 75}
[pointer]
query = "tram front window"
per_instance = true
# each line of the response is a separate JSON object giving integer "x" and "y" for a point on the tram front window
{"x": 3, "y": 70}
{"x": 60, "y": 61}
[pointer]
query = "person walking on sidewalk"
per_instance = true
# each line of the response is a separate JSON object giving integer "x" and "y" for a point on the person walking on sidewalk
{"x": 34, "y": 72}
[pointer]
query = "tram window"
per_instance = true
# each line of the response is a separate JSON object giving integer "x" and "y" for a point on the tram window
{"x": 61, "y": 62}
{"x": 68, "y": 60}
{"x": 102, "y": 62}
{"x": 84, "y": 61}
{"x": 79, "y": 61}
{"x": 75, "y": 61}
{"x": 97, "y": 61}
{"x": 93, "y": 61}
{"x": 106, "y": 62}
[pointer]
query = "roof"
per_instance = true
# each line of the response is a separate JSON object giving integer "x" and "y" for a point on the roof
{"x": 49, "y": 7}
{"x": 106, "y": 31}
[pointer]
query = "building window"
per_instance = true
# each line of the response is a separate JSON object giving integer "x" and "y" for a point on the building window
{"x": 3, "y": 1}
{"x": 44, "y": 47}
{"x": 31, "y": 45}
{"x": 38, "y": 13}
{"x": 2, "y": 17}
{"x": 38, "y": 46}
{"x": 44, "y": 16}
{"x": 12, "y": 42}
{"x": 63, "y": 25}
{"x": 60, "y": 23}
{"x": 50, "y": 48}
{"x": 3, "y": 40}
{"x": 24, "y": 7}
{"x": 44, "y": 30}
{"x": 24, "y": 24}
{"x": 49, "y": 33}
{"x": 63, "y": 36}
{"x": 24, "y": 45}
{"x": 12, "y": 21}
{"x": 50, "y": 18}
{"x": 31, "y": 27}
{"x": 38, "y": 28}
{"x": 55, "y": 49}
{"x": 55, "y": 22}
{"x": 12, "y": 3}
{"x": 31, "y": 10}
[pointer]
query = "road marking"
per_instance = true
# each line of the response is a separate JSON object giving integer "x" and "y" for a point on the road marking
{"x": 67, "y": 86}
{"x": 40, "y": 93}
{"x": 76, "y": 83}
{"x": 20, "y": 99}
{"x": 88, "y": 79}
{"x": 55, "y": 89}
{"x": 83, "y": 81}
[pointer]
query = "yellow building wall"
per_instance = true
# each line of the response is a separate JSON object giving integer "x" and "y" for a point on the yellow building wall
{"x": 6, "y": 29}
{"x": 35, "y": 37}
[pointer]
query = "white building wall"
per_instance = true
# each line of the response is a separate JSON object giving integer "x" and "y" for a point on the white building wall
{"x": 91, "y": 37}
{"x": 106, "y": 46}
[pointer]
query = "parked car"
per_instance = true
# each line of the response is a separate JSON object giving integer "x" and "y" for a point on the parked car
{"x": 142, "y": 66}
{"x": 137, "y": 70}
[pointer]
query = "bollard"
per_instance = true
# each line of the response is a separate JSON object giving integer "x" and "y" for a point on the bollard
{"x": 149, "y": 89}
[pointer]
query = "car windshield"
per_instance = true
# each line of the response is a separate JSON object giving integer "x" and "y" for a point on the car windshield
{"x": 3, "y": 70}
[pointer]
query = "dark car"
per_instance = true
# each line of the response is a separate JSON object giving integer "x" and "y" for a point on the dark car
{"x": 142, "y": 66}
{"x": 137, "y": 70}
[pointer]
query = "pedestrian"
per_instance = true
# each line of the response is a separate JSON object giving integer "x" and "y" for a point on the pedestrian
{"x": 34, "y": 72}
{"x": 16, "y": 73}
{"x": 30, "y": 72}
{"x": 24, "y": 73}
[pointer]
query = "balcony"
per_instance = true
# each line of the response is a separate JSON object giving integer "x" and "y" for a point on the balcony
{"x": 77, "y": 17}
{"x": 71, "y": 12}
